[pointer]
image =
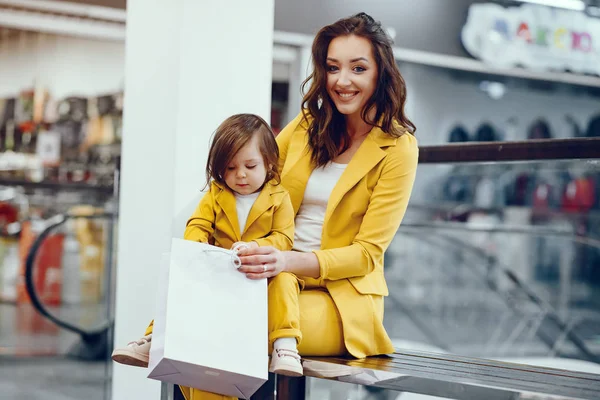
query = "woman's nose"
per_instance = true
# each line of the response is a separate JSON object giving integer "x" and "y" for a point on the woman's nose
{"x": 344, "y": 78}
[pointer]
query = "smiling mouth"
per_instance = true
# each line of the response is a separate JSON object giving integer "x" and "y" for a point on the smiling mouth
{"x": 346, "y": 95}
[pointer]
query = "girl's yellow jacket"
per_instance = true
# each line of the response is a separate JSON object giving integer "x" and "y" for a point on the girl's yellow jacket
{"x": 270, "y": 222}
{"x": 363, "y": 214}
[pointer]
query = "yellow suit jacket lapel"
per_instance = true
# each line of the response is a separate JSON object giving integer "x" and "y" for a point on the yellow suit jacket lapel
{"x": 368, "y": 155}
{"x": 263, "y": 203}
{"x": 226, "y": 200}
{"x": 297, "y": 169}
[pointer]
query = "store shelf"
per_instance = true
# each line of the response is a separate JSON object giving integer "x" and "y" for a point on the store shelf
{"x": 457, "y": 63}
{"x": 69, "y": 8}
{"x": 476, "y": 66}
{"x": 60, "y": 24}
{"x": 56, "y": 185}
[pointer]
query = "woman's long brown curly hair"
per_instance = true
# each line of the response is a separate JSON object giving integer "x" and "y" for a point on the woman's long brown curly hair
{"x": 328, "y": 136}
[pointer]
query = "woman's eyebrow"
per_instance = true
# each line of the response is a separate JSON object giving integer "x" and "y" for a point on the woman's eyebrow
{"x": 353, "y": 60}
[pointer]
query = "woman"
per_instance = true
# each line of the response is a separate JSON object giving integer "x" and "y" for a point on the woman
{"x": 349, "y": 162}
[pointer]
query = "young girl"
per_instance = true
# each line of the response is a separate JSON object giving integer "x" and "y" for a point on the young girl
{"x": 245, "y": 205}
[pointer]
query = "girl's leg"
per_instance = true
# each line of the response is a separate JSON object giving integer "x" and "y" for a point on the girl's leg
{"x": 136, "y": 353}
{"x": 149, "y": 328}
{"x": 284, "y": 309}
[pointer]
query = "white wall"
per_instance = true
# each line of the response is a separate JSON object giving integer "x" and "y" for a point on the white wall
{"x": 64, "y": 65}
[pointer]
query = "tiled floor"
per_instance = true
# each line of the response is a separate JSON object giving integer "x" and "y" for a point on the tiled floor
{"x": 53, "y": 379}
{"x": 33, "y": 365}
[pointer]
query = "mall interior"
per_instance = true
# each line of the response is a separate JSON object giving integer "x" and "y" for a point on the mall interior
{"x": 106, "y": 112}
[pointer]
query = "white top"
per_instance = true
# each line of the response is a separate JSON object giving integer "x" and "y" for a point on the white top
{"x": 311, "y": 215}
{"x": 243, "y": 205}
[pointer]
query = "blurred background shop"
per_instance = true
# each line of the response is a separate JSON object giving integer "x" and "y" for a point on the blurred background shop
{"x": 496, "y": 258}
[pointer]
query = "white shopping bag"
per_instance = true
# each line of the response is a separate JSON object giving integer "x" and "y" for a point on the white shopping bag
{"x": 210, "y": 329}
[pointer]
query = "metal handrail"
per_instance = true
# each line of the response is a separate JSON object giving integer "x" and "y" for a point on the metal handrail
{"x": 523, "y": 229}
{"x": 530, "y": 150}
{"x": 30, "y": 286}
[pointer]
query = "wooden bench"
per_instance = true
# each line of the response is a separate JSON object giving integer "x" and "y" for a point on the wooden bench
{"x": 448, "y": 376}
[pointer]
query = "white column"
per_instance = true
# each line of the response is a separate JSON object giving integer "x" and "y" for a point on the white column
{"x": 300, "y": 69}
{"x": 189, "y": 65}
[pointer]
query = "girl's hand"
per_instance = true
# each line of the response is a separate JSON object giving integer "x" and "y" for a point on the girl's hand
{"x": 262, "y": 262}
{"x": 237, "y": 246}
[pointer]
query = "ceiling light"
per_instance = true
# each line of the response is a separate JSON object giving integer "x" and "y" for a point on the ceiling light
{"x": 495, "y": 90}
{"x": 577, "y": 5}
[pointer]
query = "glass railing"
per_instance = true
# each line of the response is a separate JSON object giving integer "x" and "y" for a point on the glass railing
{"x": 56, "y": 306}
{"x": 498, "y": 257}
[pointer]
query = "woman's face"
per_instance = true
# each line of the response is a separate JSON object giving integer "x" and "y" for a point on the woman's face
{"x": 351, "y": 73}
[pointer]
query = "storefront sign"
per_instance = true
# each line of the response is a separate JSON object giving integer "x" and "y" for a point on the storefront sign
{"x": 534, "y": 37}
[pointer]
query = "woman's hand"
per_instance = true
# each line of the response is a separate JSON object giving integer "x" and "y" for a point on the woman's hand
{"x": 262, "y": 262}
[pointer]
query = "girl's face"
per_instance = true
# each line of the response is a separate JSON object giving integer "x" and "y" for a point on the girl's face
{"x": 246, "y": 172}
{"x": 351, "y": 73}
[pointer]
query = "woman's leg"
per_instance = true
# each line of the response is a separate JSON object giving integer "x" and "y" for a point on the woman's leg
{"x": 308, "y": 315}
{"x": 320, "y": 324}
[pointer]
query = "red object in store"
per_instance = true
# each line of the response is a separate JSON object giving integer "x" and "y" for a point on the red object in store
{"x": 8, "y": 214}
{"x": 47, "y": 268}
{"x": 580, "y": 195}
{"x": 27, "y": 127}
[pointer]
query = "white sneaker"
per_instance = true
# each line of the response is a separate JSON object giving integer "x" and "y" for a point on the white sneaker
{"x": 136, "y": 353}
{"x": 286, "y": 362}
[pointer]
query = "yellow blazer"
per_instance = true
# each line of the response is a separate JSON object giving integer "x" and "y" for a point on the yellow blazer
{"x": 363, "y": 214}
{"x": 270, "y": 221}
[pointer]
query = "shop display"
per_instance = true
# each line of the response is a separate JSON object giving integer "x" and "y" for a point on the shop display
{"x": 55, "y": 141}
{"x": 539, "y": 130}
{"x": 9, "y": 269}
{"x": 458, "y": 134}
{"x": 532, "y": 36}
{"x": 580, "y": 195}
{"x": 485, "y": 133}
{"x": 593, "y": 129}
{"x": 44, "y": 140}
{"x": 91, "y": 242}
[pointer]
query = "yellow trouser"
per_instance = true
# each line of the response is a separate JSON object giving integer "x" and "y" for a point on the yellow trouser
{"x": 308, "y": 314}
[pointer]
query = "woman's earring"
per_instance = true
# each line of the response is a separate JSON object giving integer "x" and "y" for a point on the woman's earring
{"x": 319, "y": 102}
